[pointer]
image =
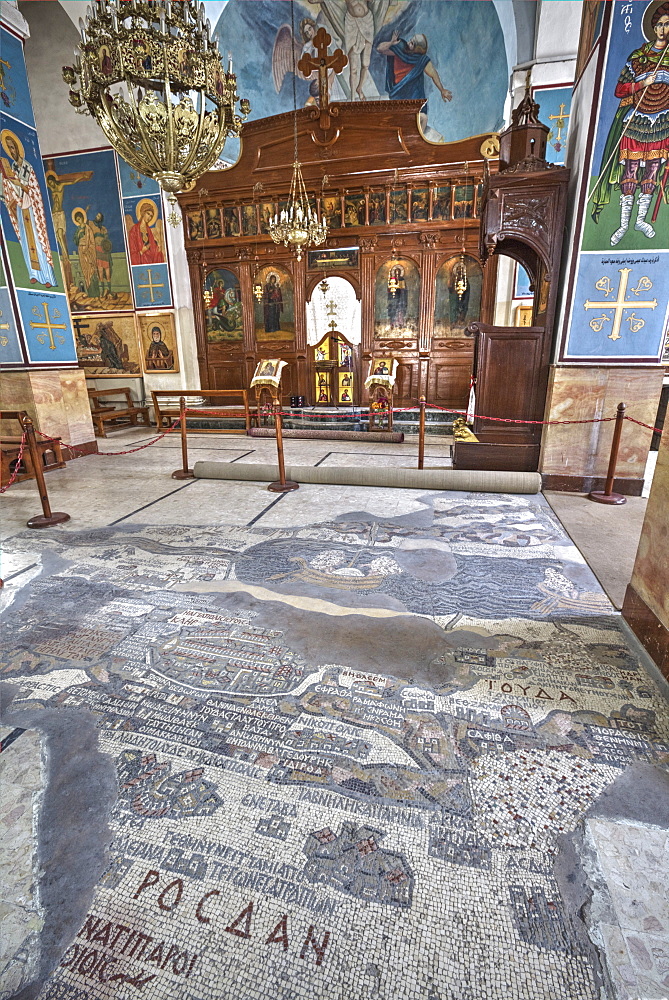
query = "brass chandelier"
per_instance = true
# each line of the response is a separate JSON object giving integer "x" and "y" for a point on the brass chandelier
{"x": 152, "y": 77}
{"x": 297, "y": 226}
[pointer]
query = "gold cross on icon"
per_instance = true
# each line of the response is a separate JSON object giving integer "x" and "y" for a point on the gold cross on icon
{"x": 620, "y": 303}
{"x": 561, "y": 121}
{"x": 3, "y": 326}
{"x": 151, "y": 283}
{"x": 49, "y": 327}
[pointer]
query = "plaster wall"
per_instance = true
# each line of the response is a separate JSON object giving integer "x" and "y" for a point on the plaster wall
{"x": 50, "y": 46}
{"x": 558, "y": 29}
{"x": 552, "y": 58}
{"x": 504, "y": 290}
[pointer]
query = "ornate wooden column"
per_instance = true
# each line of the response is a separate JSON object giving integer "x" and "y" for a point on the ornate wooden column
{"x": 299, "y": 271}
{"x": 248, "y": 301}
{"x": 368, "y": 277}
{"x": 196, "y": 267}
{"x": 428, "y": 278}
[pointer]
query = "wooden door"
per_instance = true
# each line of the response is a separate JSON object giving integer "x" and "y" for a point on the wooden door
{"x": 511, "y": 374}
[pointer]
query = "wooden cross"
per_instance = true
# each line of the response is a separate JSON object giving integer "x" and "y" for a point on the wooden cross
{"x": 323, "y": 63}
{"x": 79, "y": 325}
{"x": 150, "y": 283}
{"x": 49, "y": 327}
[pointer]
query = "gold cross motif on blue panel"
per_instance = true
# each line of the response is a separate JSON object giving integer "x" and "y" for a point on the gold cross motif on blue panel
{"x": 620, "y": 303}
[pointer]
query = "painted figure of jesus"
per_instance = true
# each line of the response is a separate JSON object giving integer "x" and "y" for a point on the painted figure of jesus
{"x": 56, "y": 184}
{"x": 358, "y": 41}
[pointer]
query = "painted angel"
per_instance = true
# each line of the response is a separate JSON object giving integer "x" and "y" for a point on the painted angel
{"x": 287, "y": 52}
{"x": 145, "y": 236}
{"x": 356, "y": 23}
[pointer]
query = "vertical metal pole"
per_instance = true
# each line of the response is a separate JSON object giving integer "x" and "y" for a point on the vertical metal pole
{"x": 184, "y": 472}
{"x": 608, "y": 496}
{"x": 283, "y": 485}
{"x": 279, "y": 446}
{"x": 421, "y": 433}
{"x": 247, "y": 412}
{"x": 48, "y": 517}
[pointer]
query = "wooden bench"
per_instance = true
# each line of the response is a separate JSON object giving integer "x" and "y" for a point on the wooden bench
{"x": 50, "y": 452}
{"x": 123, "y": 415}
{"x": 166, "y": 408}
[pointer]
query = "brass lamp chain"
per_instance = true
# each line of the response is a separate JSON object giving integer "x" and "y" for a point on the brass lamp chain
{"x": 297, "y": 226}
{"x": 461, "y": 280}
{"x": 292, "y": 35}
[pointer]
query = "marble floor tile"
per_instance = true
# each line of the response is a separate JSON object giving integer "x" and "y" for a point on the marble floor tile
{"x": 21, "y": 917}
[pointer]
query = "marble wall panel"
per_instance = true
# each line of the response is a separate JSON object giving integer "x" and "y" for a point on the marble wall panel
{"x": 77, "y": 406}
{"x": 48, "y": 396}
{"x": 582, "y": 393}
{"x": 57, "y": 402}
{"x": 15, "y": 394}
{"x": 650, "y": 577}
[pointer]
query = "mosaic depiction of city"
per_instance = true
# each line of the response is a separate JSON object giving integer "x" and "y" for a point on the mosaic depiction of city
{"x": 303, "y": 809}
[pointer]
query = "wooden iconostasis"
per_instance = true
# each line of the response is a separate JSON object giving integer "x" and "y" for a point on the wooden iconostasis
{"x": 403, "y": 225}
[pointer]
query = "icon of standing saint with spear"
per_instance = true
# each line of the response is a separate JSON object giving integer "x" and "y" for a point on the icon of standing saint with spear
{"x": 637, "y": 149}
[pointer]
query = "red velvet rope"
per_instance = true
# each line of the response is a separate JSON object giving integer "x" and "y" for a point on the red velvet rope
{"x": 128, "y": 451}
{"x": 323, "y": 416}
{"x": 15, "y": 473}
{"x": 413, "y": 409}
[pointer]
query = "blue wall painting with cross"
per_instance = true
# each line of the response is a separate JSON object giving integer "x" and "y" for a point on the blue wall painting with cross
{"x": 47, "y": 326}
{"x": 620, "y": 307}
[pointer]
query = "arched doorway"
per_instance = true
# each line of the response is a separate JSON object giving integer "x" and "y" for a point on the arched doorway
{"x": 334, "y": 332}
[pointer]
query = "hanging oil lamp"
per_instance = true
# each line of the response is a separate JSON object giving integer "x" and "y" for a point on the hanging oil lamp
{"x": 461, "y": 282}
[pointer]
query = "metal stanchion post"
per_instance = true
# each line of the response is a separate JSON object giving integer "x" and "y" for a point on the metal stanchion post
{"x": 283, "y": 485}
{"x": 421, "y": 433}
{"x": 184, "y": 472}
{"x": 608, "y": 496}
{"x": 48, "y": 517}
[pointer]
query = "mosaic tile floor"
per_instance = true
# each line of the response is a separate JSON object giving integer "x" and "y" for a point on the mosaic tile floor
{"x": 375, "y": 753}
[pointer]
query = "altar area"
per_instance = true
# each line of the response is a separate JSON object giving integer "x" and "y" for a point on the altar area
{"x": 411, "y": 271}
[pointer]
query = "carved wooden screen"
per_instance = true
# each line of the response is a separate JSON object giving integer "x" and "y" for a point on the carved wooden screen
{"x": 399, "y": 197}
